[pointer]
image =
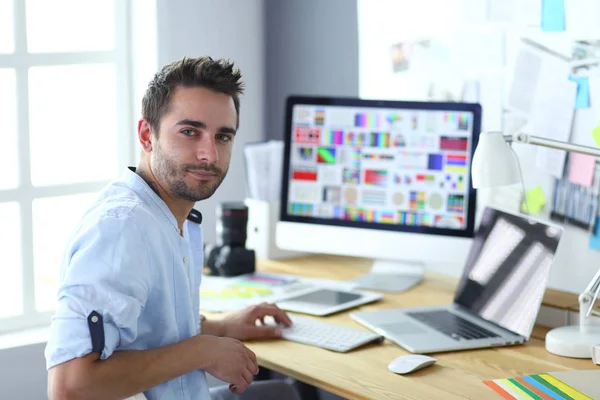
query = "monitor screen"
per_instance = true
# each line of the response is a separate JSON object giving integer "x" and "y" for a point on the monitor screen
{"x": 386, "y": 165}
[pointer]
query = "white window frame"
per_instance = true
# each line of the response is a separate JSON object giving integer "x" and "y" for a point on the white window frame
{"x": 20, "y": 60}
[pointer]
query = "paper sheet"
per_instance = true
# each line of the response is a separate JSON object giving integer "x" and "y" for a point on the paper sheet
{"x": 533, "y": 69}
{"x": 219, "y": 294}
{"x": 549, "y": 107}
{"x": 264, "y": 165}
{"x": 581, "y": 169}
{"x": 553, "y": 119}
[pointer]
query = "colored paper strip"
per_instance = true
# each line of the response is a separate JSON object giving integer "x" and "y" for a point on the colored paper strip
{"x": 524, "y": 389}
{"x": 503, "y": 393}
{"x": 537, "y": 388}
{"x": 576, "y": 394}
{"x": 554, "y": 389}
{"x": 504, "y": 384}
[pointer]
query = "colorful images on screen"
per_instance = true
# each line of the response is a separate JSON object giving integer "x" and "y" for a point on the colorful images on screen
{"x": 319, "y": 117}
{"x": 326, "y": 155}
{"x": 463, "y": 122}
{"x": 305, "y": 174}
{"x": 351, "y": 175}
{"x": 456, "y": 163}
{"x": 417, "y": 200}
{"x": 305, "y": 210}
{"x": 333, "y": 137}
{"x": 456, "y": 203}
{"x": 366, "y": 120}
{"x": 375, "y": 177}
{"x": 449, "y": 221}
{"x": 394, "y": 118}
{"x": 305, "y": 153}
{"x": 332, "y": 194}
{"x": 378, "y": 157}
{"x": 399, "y": 141}
{"x": 307, "y": 135}
{"x": 406, "y": 167}
{"x": 454, "y": 143}
{"x": 415, "y": 219}
{"x": 435, "y": 162}
{"x": 380, "y": 140}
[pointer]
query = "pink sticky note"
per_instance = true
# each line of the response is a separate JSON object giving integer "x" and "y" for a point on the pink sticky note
{"x": 581, "y": 169}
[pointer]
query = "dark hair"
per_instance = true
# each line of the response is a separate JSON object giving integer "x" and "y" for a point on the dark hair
{"x": 217, "y": 75}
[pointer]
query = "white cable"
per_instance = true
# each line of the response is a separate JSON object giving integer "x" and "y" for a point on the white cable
{"x": 522, "y": 181}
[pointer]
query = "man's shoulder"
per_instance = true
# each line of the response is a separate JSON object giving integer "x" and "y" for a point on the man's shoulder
{"x": 119, "y": 207}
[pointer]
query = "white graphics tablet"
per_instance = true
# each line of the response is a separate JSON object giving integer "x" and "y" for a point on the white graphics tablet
{"x": 321, "y": 301}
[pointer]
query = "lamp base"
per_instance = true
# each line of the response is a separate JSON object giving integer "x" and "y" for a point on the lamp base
{"x": 569, "y": 341}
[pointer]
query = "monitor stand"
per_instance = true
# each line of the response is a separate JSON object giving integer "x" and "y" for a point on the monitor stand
{"x": 391, "y": 276}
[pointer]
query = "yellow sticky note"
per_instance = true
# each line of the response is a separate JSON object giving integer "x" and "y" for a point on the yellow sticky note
{"x": 596, "y": 135}
{"x": 535, "y": 199}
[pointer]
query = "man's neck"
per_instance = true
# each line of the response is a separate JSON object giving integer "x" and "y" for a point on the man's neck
{"x": 179, "y": 208}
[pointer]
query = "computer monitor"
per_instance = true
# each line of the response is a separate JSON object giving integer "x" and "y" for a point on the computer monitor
{"x": 388, "y": 180}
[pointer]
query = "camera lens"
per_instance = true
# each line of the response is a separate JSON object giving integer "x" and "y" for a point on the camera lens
{"x": 232, "y": 218}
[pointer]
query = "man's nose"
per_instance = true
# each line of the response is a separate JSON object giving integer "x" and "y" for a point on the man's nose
{"x": 207, "y": 150}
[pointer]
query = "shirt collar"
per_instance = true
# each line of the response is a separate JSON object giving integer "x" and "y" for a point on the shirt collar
{"x": 141, "y": 187}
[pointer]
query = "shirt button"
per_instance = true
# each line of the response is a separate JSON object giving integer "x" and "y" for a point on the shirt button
{"x": 185, "y": 260}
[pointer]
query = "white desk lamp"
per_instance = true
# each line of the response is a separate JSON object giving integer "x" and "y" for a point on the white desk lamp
{"x": 496, "y": 164}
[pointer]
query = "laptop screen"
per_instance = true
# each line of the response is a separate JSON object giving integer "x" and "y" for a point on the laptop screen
{"x": 507, "y": 268}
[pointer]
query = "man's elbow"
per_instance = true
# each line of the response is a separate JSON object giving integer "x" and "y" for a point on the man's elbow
{"x": 66, "y": 384}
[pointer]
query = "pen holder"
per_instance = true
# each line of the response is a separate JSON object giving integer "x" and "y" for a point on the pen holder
{"x": 262, "y": 222}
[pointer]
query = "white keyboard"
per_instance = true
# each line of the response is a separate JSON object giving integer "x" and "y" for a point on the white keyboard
{"x": 327, "y": 335}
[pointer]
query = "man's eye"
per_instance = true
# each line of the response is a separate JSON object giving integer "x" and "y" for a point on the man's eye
{"x": 188, "y": 132}
{"x": 224, "y": 138}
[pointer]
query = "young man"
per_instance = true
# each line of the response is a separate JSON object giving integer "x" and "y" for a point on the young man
{"x": 128, "y": 318}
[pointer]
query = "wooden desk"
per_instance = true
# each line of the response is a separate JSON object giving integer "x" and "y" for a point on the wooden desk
{"x": 363, "y": 373}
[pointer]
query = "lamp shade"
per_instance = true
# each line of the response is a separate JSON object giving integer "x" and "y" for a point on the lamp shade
{"x": 493, "y": 162}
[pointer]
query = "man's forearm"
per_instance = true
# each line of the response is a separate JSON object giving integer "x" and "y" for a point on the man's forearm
{"x": 127, "y": 373}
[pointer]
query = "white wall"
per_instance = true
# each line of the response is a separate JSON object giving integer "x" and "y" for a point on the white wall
{"x": 223, "y": 28}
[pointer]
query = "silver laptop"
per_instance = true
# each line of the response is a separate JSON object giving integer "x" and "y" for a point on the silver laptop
{"x": 498, "y": 297}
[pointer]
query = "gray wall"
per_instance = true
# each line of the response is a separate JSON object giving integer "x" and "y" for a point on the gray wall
{"x": 23, "y": 373}
{"x": 225, "y": 28}
{"x": 312, "y": 49}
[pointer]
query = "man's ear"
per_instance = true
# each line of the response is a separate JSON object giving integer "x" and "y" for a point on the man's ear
{"x": 145, "y": 135}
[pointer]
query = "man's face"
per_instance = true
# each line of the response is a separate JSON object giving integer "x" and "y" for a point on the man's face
{"x": 191, "y": 156}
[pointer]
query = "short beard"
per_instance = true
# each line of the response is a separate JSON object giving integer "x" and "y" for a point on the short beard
{"x": 173, "y": 177}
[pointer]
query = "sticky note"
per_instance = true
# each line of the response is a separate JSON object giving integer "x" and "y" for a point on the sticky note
{"x": 595, "y": 236}
{"x": 536, "y": 200}
{"x": 553, "y": 15}
{"x": 596, "y": 135}
{"x": 582, "y": 98}
{"x": 581, "y": 169}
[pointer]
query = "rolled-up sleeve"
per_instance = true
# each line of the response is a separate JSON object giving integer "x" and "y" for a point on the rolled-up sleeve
{"x": 106, "y": 269}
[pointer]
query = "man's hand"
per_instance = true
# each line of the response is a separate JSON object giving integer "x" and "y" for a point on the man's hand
{"x": 232, "y": 362}
{"x": 242, "y": 325}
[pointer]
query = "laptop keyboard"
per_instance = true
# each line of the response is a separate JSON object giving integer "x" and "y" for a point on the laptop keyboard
{"x": 452, "y": 325}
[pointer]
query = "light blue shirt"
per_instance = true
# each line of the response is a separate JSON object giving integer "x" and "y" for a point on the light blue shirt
{"x": 128, "y": 262}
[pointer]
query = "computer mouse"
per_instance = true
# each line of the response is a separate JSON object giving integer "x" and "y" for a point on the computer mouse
{"x": 410, "y": 363}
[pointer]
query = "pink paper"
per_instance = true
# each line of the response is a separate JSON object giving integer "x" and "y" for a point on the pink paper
{"x": 581, "y": 169}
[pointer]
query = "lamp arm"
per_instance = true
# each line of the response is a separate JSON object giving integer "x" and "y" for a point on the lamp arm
{"x": 555, "y": 144}
{"x": 587, "y": 299}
